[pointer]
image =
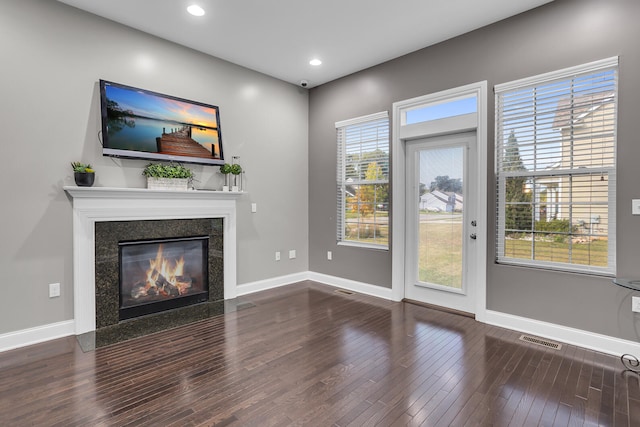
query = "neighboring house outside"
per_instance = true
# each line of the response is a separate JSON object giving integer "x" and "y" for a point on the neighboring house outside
{"x": 589, "y": 135}
{"x": 440, "y": 201}
{"x": 547, "y": 197}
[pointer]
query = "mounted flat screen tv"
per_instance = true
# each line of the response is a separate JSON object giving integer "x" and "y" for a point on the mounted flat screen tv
{"x": 141, "y": 124}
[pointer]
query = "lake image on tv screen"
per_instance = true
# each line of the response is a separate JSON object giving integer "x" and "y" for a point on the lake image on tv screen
{"x": 145, "y": 122}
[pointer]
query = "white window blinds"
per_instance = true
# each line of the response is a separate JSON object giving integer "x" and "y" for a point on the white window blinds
{"x": 555, "y": 167}
{"x": 363, "y": 180}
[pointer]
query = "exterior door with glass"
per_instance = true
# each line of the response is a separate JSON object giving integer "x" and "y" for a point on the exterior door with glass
{"x": 441, "y": 221}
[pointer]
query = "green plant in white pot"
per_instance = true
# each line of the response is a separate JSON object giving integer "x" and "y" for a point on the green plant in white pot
{"x": 236, "y": 170}
{"x": 167, "y": 176}
{"x": 225, "y": 170}
{"x": 231, "y": 171}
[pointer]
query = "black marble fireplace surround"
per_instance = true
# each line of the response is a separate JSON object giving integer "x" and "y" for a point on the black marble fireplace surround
{"x": 109, "y": 329}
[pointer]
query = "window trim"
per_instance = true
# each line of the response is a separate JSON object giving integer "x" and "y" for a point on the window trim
{"x": 565, "y": 73}
{"x": 362, "y": 119}
{"x": 341, "y": 182}
{"x": 542, "y": 79}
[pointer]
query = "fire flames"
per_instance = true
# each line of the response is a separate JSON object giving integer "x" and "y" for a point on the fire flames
{"x": 163, "y": 278}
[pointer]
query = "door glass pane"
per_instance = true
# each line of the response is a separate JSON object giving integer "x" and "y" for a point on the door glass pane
{"x": 441, "y": 203}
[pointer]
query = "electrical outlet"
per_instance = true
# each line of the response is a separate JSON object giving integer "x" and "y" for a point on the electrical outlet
{"x": 254, "y": 207}
{"x": 329, "y": 255}
{"x": 54, "y": 290}
{"x": 635, "y": 304}
{"x": 292, "y": 254}
{"x": 635, "y": 207}
{"x": 278, "y": 256}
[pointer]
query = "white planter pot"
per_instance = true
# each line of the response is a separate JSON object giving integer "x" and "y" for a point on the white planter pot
{"x": 170, "y": 184}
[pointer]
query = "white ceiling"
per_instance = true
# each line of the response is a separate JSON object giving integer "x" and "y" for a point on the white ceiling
{"x": 280, "y": 37}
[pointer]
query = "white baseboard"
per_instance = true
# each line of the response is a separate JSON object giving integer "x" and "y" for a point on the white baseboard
{"x": 36, "y": 335}
{"x": 579, "y": 337}
{"x": 274, "y": 282}
{"x": 351, "y": 285}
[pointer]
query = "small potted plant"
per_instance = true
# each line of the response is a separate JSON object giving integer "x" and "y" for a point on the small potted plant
{"x": 226, "y": 170}
{"x": 83, "y": 174}
{"x": 169, "y": 176}
{"x": 229, "y": 171}
{"x": 236, "y": 170}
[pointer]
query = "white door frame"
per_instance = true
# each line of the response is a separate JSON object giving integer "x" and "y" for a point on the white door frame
{"x": 402, "y": 132}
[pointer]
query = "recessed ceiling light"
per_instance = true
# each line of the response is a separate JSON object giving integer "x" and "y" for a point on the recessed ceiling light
{"x": 315, "y": 62}
{"x": 195, "y": 10}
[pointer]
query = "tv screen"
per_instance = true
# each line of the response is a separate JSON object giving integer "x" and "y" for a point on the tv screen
{"x": 138, "y": 123}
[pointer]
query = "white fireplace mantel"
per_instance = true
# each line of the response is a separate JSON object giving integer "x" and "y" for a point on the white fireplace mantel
{"x": 98, "y": 204}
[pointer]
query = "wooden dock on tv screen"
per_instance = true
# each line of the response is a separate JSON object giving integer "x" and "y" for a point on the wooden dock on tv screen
{"x": 180, "y": 143}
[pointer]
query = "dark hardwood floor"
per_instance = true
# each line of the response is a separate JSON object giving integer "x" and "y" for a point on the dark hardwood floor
{"x": 306, "y": 355}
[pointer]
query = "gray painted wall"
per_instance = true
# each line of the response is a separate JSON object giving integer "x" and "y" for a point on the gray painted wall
{"x": 558, "y": 35}
{"x": 52, "y": 57}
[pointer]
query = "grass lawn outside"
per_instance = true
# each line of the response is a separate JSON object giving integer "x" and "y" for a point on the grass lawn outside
{"x": 367, "y": 233}
{"x": 593, "y": 253}
{"x": 369, "y": 229}
{"x": 440, "y": 251}
{"x": 440, "y": 247}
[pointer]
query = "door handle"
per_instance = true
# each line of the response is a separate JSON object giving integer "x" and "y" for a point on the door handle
{"x": 473, "y": 236}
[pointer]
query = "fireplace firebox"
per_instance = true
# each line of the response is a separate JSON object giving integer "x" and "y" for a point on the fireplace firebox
{"x": 162, "y": 274}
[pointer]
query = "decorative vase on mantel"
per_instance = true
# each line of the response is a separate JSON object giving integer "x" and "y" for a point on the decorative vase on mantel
{"x": 236, "y": 181}
{"x": 227, "y": 182}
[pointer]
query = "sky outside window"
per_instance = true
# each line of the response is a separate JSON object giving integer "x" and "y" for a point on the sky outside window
{"x": 442, "y": 111}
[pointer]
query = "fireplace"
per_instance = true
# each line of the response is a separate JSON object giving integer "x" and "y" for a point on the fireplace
{"x": 162, "y": 274}
{"x": 149, "y": 270}
{"x": 136, "y": 214}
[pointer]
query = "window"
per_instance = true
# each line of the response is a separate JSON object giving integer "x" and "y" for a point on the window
{"x": 556, "y": 169}
{"x": 363, "y": 181}
{"x": 442, "y": 110}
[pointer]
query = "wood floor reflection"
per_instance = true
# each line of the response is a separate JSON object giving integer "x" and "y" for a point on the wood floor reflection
{"x": 306, "y": 355}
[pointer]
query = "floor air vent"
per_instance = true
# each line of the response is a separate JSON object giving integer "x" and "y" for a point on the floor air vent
{"x": 540, "y": 341}
{"x": 343, "y": 291}
{"x": 244, "y": 305}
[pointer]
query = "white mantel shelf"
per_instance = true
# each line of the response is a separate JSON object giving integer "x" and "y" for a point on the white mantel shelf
{"x": 99, "y": 204}
{"x": 144, "y": 193}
